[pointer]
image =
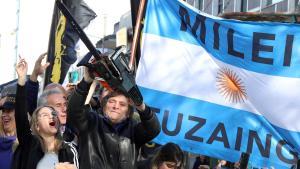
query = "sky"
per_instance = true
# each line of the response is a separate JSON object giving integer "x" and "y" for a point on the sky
{"x": 34, "y": 28}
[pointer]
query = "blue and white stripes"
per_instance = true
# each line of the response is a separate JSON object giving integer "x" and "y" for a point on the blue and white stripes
{"x": 222, "y": 88}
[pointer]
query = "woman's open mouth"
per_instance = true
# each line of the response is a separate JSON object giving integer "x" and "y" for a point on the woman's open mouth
{"x": 52, "y": 123}
{"x": 6, "y": 120}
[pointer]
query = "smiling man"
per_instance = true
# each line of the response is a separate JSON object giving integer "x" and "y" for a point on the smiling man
{"x": 111, "y": 141}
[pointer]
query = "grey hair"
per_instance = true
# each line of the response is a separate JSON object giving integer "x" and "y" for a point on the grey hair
{"x": 43, "y": 99}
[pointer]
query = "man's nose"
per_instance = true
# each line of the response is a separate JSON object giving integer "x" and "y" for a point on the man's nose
{"x": 116, "y": 106}
{"x": 64, "y": 108}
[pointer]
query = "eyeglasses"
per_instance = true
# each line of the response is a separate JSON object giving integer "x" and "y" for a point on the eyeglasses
{"x": 173, "y": 165}
{"x": 47, "y": 115}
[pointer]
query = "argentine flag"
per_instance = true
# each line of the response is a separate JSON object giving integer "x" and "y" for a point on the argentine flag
{"x": 222, "y": 87}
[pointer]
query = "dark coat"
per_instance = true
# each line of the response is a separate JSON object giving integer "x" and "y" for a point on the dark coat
{"x": 32, "y": 89}
{"x": 106, "y": 146}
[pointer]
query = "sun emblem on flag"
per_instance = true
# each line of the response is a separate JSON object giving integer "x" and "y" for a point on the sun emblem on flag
{"x": 230, "y": 85}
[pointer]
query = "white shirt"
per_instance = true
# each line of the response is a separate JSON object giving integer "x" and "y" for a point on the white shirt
{"x": 48, "y": 161}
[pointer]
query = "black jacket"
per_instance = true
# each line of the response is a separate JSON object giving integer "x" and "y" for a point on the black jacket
{"x": 102, "y": 145}
{"x": 29, "y": 151}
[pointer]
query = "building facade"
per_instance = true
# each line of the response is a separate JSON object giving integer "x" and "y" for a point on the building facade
{"x": 218, "y": 7}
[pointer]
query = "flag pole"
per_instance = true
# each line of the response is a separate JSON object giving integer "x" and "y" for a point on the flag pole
{"x": 137, "y": 32}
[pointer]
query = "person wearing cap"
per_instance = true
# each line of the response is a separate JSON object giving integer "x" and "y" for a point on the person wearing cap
{"x": 8, "y": 138}
{"x": 8, "y": 115}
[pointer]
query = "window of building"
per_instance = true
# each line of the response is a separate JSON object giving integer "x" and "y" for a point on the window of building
{"x": 266, "y": 3}
{"x": 229, "y": 5}
{"x": 269, "y": 9}
{"x": 200, "y": 7}
{"x": 220, "y": 6}
{"x": 274, "y": 6}
{"x": 252, "y": 4}
{"x": 207, "y": 8}
{"x": 276, "y": 1}
{"x": 282, "y": 6}
{"x": 191, "y": 2}
{"x": 226, "y": 6}
{"x": 244, "y": 6}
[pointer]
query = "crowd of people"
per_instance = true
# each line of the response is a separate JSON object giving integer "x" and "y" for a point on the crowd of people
{"x": 55, "y": 129}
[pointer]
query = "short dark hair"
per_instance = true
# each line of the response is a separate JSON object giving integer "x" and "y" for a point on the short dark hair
{"x": 114, "y": 94}
{"x": 168, "y": 152}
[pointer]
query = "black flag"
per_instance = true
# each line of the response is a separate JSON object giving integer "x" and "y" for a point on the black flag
{"x": 63, "y": 39}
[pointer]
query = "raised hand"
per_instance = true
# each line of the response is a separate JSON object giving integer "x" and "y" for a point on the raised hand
{"x": 21, "y": 69}
{"x": 39, "y": 68}
{"x": 141, "y": 107}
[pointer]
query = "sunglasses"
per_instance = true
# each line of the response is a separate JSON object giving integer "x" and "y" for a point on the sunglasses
{"x": 173, "y": 165}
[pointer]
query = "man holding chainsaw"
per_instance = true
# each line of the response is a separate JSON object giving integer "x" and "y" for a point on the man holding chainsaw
{"x": 111, "y": 141}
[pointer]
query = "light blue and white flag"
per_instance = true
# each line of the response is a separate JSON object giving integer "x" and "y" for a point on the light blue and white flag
{"x": 222, "y": 87}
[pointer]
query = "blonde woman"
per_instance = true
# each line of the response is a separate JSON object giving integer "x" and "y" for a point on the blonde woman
{"x": 41, "y": 146}
{"x": 8, "y": 141}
